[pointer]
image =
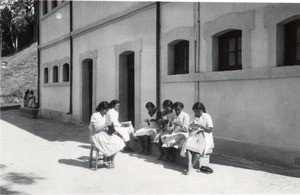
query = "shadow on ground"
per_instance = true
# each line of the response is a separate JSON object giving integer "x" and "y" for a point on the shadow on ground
{"x": 48, "y": 129}
{"x": 13, "y": 178}
{"x": 253, "y": 165}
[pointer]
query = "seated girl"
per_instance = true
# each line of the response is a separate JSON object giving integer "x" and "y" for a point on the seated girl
{"x": 144, "y": 133}
{"x": 164, "y": 128}
{"x": 179, "y": 131}
{"x": 107, "y": 144}
{"x": 200, "y": 139}
{"x": 124, "y": 130}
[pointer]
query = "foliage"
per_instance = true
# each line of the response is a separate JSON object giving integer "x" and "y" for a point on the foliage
{"x": 17, "y": 23}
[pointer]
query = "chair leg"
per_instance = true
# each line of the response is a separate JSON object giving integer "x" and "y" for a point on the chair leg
{"x": 96, "y": 160}
{"x": 91, "y": 157}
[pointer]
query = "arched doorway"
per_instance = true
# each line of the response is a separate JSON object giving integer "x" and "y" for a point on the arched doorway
{"x": 126, "y": 86}
{"x": 87, "y": 90}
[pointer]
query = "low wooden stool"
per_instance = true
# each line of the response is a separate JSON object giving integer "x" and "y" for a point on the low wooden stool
{"x": 99, "y": 157}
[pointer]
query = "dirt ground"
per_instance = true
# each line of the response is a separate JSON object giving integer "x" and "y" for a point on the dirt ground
{"x": 44, "y": 156}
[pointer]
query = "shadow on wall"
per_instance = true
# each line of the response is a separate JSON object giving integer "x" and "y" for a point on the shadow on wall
{"x": 13, "y": 178}
{"x": 48, "y": 129}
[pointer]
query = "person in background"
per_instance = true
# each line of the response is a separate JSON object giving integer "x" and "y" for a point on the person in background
{"x": 179, "y": 132}
{"x": 32, "y": 100}
{"x": 144, "y": 133}
{"x": 168, "y": 115}
{"x": 123, "y": 129}
{"x": 200, "y": 139}
{"x": 26, "y": 98}
{"x": 107, "y": 144}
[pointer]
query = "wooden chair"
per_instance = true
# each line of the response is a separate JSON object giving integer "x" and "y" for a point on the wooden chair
{"x": 99, "y": 157}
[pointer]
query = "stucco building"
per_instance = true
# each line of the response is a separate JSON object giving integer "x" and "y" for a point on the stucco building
{"x": 240, "y": 59}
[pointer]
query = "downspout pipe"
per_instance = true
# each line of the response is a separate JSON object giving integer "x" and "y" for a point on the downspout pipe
{"x": 71, "y": 59}
{"x": 37, "y": 30}
{"x": 158, "y": 76}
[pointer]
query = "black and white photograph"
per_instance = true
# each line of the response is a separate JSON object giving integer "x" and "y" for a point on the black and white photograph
{"x": 149, "y": 97}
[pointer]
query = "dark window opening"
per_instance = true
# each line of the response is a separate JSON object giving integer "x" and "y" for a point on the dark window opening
{"x": 230, "y": 51}
{"x": 55, "y": 74}
{"x": 45, "y": 7}
{"x": 292, "y": 43}
{"x": 181, "y": 57}
{"x": 54, "y": 3}
{"x": 46, "y": 75}
{"x": 66, "y": 73}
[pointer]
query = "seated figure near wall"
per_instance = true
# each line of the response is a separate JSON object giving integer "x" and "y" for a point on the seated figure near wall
{"x": 108, "y": 144}
{"x": 145, "y": 133}
{"x": 32, "y": 100}
{"x": 125, "y": 130}
{"x": 200, "y": 139}
{"x": 168, "y": 114}
{"x": 178, "y": 132}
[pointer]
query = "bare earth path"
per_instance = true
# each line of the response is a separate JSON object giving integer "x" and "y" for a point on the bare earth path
{"x": 44, "y": 156}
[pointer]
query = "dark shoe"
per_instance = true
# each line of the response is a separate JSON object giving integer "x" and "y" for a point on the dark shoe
{"x": 205, "y": 169}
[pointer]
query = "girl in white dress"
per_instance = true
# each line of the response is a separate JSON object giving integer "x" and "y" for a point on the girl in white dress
{"x": 200, "y": 139}
{"x": 145, "y": 133}
{"x": 107, "y": 144}
{"x": 124, "y": 130}
{"x": 179, "y": 132}
{"x": 165, "y": 128}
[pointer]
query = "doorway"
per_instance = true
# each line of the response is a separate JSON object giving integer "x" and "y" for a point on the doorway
{"x": 126, "y": 87}
{"x": 87, "y": 90}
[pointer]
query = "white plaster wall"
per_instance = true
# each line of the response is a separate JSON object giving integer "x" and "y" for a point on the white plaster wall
{"x": 54, "y": 96}
{"x": 53, "y": 28}
{"x": 263, "y": 112}
{"x": 88, "y": 12}
{"x": 104, "y": 40}
{"x": 176, "y": 14}
{"x": 180, "y": 92}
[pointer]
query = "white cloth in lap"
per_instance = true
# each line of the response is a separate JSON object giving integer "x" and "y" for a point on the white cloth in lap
{"x": 113, "y": 117}
{"x": 179, "y": 133}
{"x": 204, "y": 120}
{"x": 148, "y": 130}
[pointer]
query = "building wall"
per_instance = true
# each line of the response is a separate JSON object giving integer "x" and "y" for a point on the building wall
{"x": 138, "y": 29}
{"x": 255, "y": 110}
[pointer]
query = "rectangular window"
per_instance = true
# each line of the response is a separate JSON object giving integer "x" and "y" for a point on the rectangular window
{"x": 54, "y": 4}
{"x": 230, "y": 51}
{"x": 292, "y": 43}
{"x": 181, "y": 57}
{"x": 45, "y": 7}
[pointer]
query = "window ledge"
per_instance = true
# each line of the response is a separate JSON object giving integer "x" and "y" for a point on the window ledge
{"x": 63, "y": 84}
{"x": 247, "y": 74}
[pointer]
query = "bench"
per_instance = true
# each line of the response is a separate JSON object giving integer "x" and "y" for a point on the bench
{"x": 29, "y": 112}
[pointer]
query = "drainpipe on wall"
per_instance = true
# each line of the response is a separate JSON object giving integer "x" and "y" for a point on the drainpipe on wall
{"x": 198, "y": 48}
{"x": 37, "y": 35}
{"x": 71, "y": 59}
{"x": 158, "y": 83}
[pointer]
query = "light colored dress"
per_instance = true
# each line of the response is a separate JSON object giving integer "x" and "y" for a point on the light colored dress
{"x": 161, "y": 136}
{"x": 178, "y": 135}
{"x": 113, "y": 117}
{"x": 204, "y": 140}
{"x": 31, "y": 103}
{"x": 107, "y": 144}
{"x": 149, "y": 130}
